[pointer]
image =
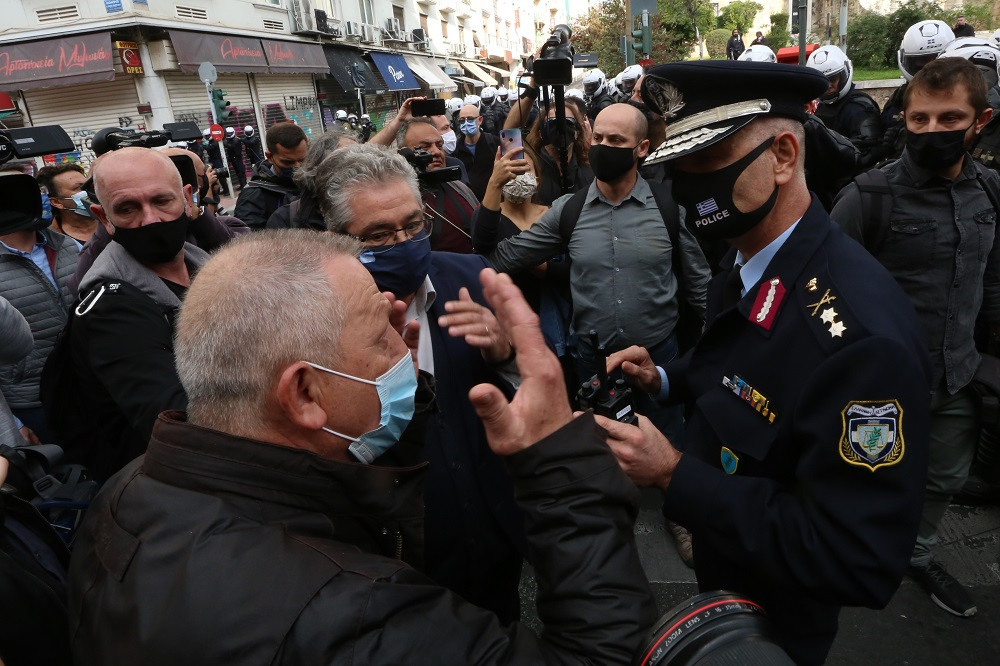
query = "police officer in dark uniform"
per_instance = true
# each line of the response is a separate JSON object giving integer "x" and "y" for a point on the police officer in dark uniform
{"x": 234, "y": 155}
{"x": 806, "y": 450}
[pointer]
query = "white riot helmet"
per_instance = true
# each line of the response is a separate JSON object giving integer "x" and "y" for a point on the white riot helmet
{"x": 628, "y": 79}
{"x": 593, "y": 83}
{"x": 454, "y": 105}
{"x": 574, "y": 92}
{"x": 922, "y": 42}
{"x": 341, "y": 114}
{"x": 365, "y": 116}
{"x": 474, "y": 100}
{"x": 503, "y": 93}
{"x": 206, "y": 133}
{"x": 980, "y": 52}
{"x": 230, "y": 132}
{"x": 996, "y": 38}
{"x": 758, "y": 53}
{"x": 830, "y": 61}
{"x": 611, "y": 88}
{"x": 488, "y": 95}
{"x": 248, "y": 131}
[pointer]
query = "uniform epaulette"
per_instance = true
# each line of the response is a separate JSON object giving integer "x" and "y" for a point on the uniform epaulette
{"x": 833, "y": 321}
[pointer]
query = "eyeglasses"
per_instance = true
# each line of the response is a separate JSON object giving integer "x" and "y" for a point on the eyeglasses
{"x": 385, "y": 240}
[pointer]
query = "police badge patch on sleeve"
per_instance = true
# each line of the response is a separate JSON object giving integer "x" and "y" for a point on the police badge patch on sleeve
{"x": 873, "y": 433}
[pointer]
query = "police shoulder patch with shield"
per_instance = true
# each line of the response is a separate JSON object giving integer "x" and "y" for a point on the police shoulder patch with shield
{"x": 872, "y": 435}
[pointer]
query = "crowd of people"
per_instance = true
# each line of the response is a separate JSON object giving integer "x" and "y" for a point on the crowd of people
{"x": 335, "y": 423}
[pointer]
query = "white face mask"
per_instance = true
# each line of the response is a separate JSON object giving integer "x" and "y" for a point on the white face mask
{"x": 450, "y": 141}
{"x": 521, "y": 189}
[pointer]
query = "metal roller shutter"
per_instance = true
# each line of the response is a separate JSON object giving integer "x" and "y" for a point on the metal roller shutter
{"x": 289, "y": 97}
{"x": 83, "y": 110}
{"x": 335, "y": 99}
{"x": 189, "y": 100}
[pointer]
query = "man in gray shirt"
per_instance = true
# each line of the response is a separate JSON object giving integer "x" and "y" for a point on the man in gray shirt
{"x": 622, "y": 281}
{"x": 940, "y": 244}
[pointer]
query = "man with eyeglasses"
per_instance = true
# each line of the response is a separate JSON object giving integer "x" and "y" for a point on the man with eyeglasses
{"x": 474, "y": 540}
{"x": 451, "y": 203}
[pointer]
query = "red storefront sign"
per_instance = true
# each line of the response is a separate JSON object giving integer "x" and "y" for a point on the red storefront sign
{"x": 56, "y": 62}
{"x": 131, "y": 60}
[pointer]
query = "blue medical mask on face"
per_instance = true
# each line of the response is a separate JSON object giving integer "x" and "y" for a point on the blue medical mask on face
{"x": 397, "y": 389}
{"x": 401, "y": 269}
{"x": 81, "y": 207}
{"x": 469, "y": 127}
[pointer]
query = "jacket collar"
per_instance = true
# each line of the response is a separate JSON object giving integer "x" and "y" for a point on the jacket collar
{"x": 210, "y": 461}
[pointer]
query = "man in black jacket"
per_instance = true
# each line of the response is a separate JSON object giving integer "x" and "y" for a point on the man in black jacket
{"x": 735, "y": 46}
{"x": 477, "y": 150}
{"x": 274, "y": 522}
{"x": 272, "y": 185}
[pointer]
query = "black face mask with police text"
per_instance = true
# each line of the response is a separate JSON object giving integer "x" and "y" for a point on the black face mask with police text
{"x": 707, "y": 199}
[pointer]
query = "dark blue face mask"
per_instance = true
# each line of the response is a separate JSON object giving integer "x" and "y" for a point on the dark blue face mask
{"x": 402, "y": 268}
{"x": 286, "y": 172}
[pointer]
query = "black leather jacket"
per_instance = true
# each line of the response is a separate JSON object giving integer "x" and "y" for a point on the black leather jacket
{"x": 221, "y": 550}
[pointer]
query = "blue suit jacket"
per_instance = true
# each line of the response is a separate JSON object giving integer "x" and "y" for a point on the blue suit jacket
{"x": 473, "y": 529}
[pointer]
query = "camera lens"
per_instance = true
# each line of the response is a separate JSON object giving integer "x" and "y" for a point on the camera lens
{"x": 712, "y": 629}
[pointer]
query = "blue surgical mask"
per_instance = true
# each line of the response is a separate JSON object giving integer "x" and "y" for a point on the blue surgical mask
{"x": 397, "y": 389}
{"x": 402, "y": 268}
{"x": 81, "y": 207}
{"x": 469, "y": 127}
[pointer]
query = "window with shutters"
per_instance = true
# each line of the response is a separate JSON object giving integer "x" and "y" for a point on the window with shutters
{"x": 53, "y": 14}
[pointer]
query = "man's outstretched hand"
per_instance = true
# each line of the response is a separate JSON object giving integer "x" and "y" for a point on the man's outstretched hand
{"x": 540, "y": 406}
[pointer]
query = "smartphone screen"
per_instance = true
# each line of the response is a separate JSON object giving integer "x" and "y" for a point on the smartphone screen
{"x": 510, "y": 139}
{"x": 427, "y": 107}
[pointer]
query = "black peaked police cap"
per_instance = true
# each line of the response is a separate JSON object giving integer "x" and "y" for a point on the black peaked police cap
{"x": 704, "y": 102}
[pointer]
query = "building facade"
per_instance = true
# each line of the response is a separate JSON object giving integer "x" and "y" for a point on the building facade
{"x": 91, "y": 64}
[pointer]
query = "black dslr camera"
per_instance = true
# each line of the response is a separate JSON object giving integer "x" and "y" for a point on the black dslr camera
{"x": 420, "y": 160}
{"x": 613, "y": 401}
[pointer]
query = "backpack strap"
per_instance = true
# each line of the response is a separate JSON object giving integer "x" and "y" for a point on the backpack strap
{"x": 571, "y": 214}
{"x": 990, "y": 181}
{"x": 876, "y": 207}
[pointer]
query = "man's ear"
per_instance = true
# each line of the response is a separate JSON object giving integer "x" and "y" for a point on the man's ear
{"x": 643, "y": 148}
{"x": 98, "y": 212}
{"x": 267, "y": 156}
{"x": 786, "y": 151}
{"x": 298, "y": 392}
{"x": 983, "y": 118}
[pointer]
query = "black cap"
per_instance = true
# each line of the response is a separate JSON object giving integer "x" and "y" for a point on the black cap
{"x": 22, "y": 201}
{"x": 704, "y": 102}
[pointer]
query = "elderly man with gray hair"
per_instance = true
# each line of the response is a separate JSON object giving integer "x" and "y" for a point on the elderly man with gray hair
{"x": 475, "y": 542}
{"x": 267, "y": 526}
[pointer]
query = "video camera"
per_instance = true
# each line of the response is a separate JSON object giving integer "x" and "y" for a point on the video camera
{"x": 24, "y": 142}
{"x": 554, "y": 64}
{"x": 613, "y": 401}
{"x": 420, "y": 160}
{"x": 113, "y": 138}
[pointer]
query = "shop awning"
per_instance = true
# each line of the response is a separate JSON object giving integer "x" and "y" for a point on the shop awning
{"x": 502, "y": 72}
{"x": 294, "y": 57}
{"x": 49, "y": 63}
{"x": 351, "y": 72}
{"x": 228, "y": 54}
{"x": 477, "y": 72}
{"x": 465, "y": 79}
{"x": 430, "y": 73}
{"x": 395, "y": 71}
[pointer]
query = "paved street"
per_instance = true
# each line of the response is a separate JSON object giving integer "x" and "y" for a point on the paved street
{"x": 910, "y": 631}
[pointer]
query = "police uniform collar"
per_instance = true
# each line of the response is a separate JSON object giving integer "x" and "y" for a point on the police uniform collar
{"x": 705, "y": 102}
{"x": 793, "y": 255}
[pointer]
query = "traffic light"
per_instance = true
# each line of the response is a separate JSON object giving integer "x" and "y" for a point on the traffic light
{"x": 642, "y": 39}
{"x": 221, "y": 104}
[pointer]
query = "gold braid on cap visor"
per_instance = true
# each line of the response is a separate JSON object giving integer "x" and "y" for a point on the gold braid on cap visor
{"x": 693, "y": 131}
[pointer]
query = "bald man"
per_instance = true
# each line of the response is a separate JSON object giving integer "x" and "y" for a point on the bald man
{"x": 121, "y": 333}
{"x": 477, "y": 150}
{"x": 206, "y": 229}
{"x": 627, "y": 279}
